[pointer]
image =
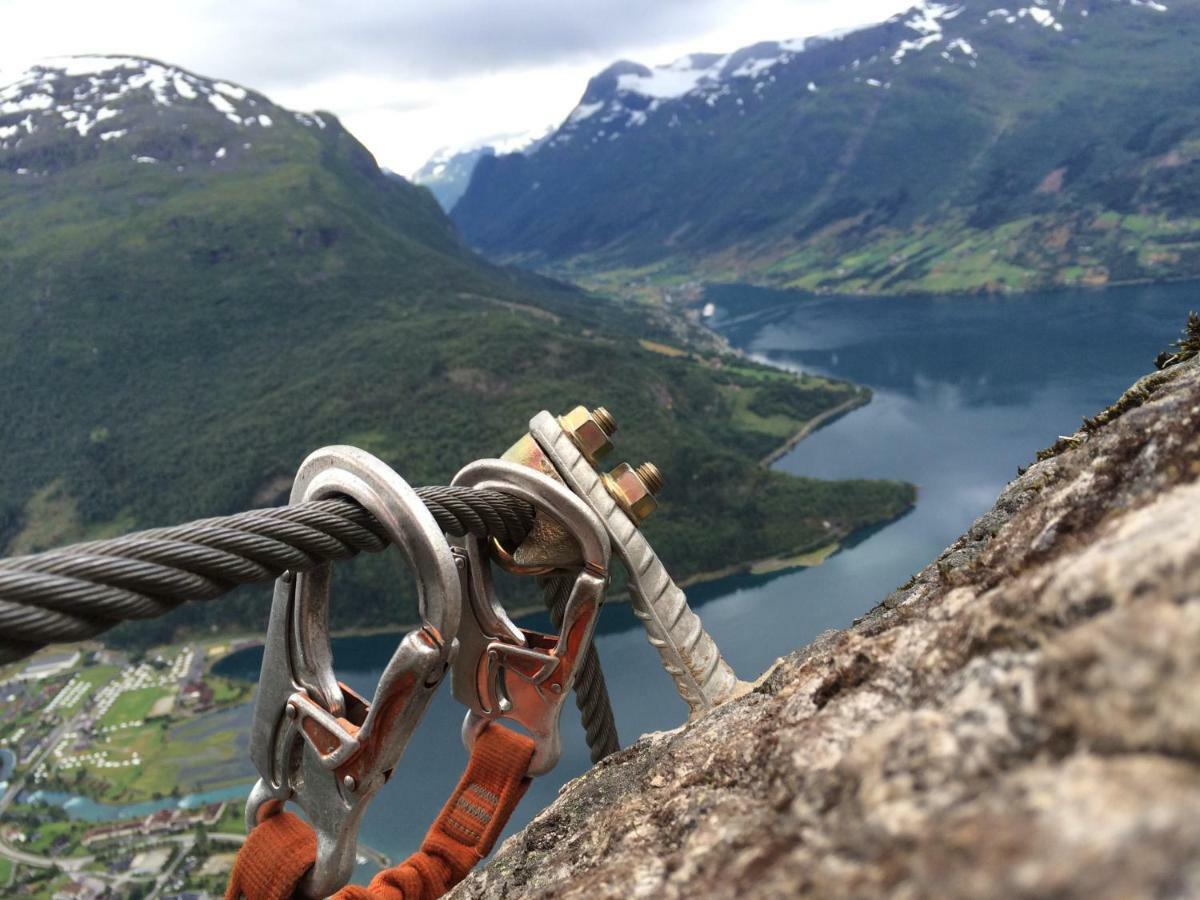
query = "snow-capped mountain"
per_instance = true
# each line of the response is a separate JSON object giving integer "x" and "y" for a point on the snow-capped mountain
{"x": 65, "y": 109}
{"x": 926, "y": 152}
{"x": 627, "y": 94}
{"x": 448, "y": 171}
{"x": 126, "y": 177}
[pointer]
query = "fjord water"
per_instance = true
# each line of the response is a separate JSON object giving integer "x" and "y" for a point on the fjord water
{"x": 966, "y": 389}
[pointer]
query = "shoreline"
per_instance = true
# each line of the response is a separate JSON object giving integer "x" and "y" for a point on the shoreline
{"x": 764, "y": 565}
{"x": 750, "y": 279}
{"x": 862, "y": 396}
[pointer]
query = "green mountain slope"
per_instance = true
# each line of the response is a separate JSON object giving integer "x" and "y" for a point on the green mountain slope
{"x": 957, "y": 146}
{"x": 199, "y": 287}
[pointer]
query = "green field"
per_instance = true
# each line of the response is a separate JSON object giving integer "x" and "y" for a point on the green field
{"x": 49, "y": 832}
{"x": 133, "y": 705}
{"x": 227, "y": 692}
{"x": 97, "y": 677}
{"x": 173, "y": 757}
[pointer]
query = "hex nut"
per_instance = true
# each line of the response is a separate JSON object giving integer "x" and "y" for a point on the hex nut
{"x": 631, "y": 492}
{"x": 590, "y": 432}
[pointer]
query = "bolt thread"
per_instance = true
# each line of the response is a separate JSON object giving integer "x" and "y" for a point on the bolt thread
{"x": 651, "y": 477}
{"x": 605, "y": 420}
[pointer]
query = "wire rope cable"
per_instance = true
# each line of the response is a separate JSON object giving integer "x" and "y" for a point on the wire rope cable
{"x": 78, "y": 592}
{"x": 591, "y": 692}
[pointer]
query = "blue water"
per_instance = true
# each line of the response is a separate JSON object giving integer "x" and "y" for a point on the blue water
{"x": 89, "y": 811}
{"x": 966, "y": 390}
{"x": 8, "y": 762}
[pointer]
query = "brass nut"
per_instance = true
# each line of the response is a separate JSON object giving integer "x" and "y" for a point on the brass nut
{"x": 634, "y": 489}
{"x": 651, "y": 477}
{"x": 591, "y": 431}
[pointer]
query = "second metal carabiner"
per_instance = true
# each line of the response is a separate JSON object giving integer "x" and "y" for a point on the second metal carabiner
{"x": 506, "y": 672}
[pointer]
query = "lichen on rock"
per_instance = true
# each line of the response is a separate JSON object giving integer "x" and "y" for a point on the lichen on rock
{"x": 1021, "y": 720}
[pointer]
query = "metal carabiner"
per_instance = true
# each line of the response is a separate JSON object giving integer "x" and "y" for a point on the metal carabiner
{"x": 315, "y": 741}
{"x": 506, "y": 672}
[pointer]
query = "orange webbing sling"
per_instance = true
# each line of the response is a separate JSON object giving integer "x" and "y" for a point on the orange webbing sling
{"x": 281, "y": 849}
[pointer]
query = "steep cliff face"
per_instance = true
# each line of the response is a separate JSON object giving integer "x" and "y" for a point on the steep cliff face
{"x": 1021, "y": 720}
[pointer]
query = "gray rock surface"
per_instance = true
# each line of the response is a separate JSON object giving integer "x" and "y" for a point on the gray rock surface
{"x": 1021, "y": 720}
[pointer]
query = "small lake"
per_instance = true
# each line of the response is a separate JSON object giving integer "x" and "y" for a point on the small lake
{"x": 966, "y": 390}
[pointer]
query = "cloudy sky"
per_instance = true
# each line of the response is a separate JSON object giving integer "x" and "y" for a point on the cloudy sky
{"x": 411, "y": 76}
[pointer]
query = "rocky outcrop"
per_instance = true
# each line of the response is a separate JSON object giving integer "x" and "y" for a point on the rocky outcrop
{"x": 1021, "y": 720}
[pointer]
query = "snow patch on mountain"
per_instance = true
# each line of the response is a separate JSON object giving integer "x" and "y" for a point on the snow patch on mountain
{"x": 752, "y": 68}
{"x": 626, "y": 95}
{"x": 585, "y": 111}
{"x": 926, "y": 20}
{"x": 77, "y": 93}
{"x": 309, "y": 120}
{"x": 667, "y": 82}
{"x": 223, "y": 106}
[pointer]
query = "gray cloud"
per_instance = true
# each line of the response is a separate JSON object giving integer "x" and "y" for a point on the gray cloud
{"x": 271, "y": 40}
{"x": 409, "y": 76}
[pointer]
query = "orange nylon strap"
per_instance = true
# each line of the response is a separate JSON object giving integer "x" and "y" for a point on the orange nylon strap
{"x": 280, "y": 850}
{"x": 273, "y": 859}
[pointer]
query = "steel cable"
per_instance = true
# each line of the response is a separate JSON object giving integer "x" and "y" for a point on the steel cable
{"x": 591, "y": 693}
{"x": 78, "y": 592}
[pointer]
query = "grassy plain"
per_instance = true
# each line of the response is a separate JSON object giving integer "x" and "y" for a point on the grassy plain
{"x": 133, "y": 705}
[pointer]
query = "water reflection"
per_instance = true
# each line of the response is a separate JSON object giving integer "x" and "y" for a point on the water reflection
{"x": 992, "y": 351}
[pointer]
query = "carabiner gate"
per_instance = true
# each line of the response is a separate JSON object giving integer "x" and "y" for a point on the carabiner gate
{"x": 314, "y": 740}
{"x": 506, "y": 672}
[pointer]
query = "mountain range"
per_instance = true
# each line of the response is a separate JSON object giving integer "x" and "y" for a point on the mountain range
{"x": 199, "y": 287}
{"x": 448, "y": 172}
{"x": 958, "y": 146}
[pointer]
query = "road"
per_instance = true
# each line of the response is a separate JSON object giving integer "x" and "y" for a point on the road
{"x": 69, "y": 864}
{"x": 186, "y": 843}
